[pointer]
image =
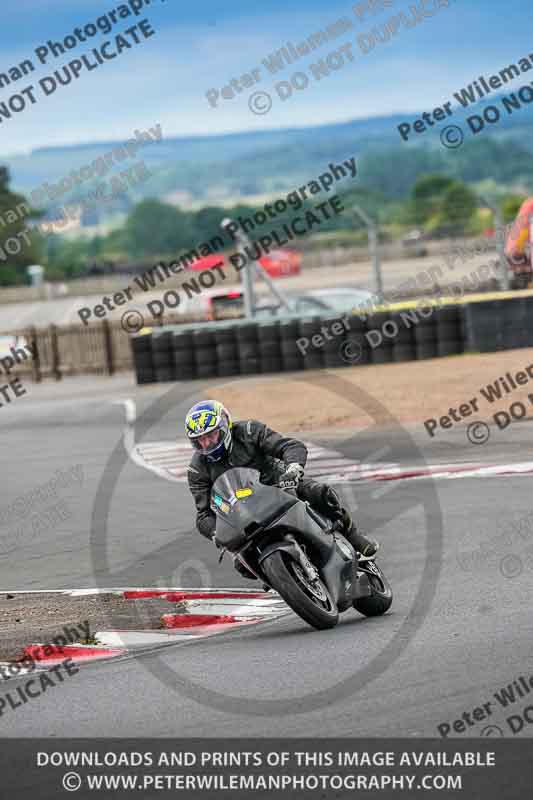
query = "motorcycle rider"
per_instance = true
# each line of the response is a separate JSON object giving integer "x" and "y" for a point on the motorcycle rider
{"x": 219, "y": 444}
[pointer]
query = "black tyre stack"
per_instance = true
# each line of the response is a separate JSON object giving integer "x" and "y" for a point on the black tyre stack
{"x": 274, "y": 346}
{"x": 227, "y": 351}
{"x": 516, "y": 323}
{"x": 205, "y": 353}
{"x": 163, "y": 356}
{"x": 334, "y": 352}
{"x": 403, "y": 342}
{"x": 380, "y": 345}
{"x": 268, "y": 335}
{"x": 355, "y": 346}
{"x": 450, "y": 330}
{"x": 248, "y": 349}
{"x": 528, "y": 321}
{"x": 426, "y": 334}
{"x": 142, "y": 358}
{"x": 314, "y": 356}
{"x": 291, "y": 356}
{"x": 484, "y": 334}
{"x": 184, "y": 359}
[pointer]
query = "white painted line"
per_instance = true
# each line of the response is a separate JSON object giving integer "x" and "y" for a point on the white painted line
{"x": 247, "y": 609}
{"x": 130, "y": 408}
{"x": 5, "y": 665}
{"x": 130, "y": 639}
{"x": 89, "y": 592}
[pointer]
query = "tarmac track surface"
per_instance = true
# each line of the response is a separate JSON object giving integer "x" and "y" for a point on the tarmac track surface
{"x": 472, "y": 637}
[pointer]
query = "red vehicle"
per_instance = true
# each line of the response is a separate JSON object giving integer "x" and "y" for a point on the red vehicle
{"x": 207, "y": 262}
{"x": 277, "y": 264}
{"x": 282, "y": 262}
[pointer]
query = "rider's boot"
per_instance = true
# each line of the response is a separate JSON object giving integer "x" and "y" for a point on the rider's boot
{"x": 363, "y": 544}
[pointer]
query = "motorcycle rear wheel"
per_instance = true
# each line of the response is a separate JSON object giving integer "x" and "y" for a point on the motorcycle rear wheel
{"x": 312, "y": 602}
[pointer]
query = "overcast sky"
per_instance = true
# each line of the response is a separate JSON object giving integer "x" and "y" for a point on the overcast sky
{"x": 202, "y": 46}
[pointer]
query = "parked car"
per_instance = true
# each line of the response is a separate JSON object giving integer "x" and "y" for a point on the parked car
{"x": 413, "y": 244}
{"x": 217, "y": 304}
{"x": 332, "y": 301}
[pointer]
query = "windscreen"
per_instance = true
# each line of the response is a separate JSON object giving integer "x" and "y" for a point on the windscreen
{"x": 233, "y": 481}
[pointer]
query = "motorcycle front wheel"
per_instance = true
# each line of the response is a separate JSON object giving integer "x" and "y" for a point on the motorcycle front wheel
{"x": 311, "y": 600}
{"x": 381, "y": 598}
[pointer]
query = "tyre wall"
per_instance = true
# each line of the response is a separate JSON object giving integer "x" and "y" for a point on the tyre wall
{"x": 241, "y": 347}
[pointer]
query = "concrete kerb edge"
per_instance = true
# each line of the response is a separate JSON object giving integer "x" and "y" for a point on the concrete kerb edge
{"x": 216, "y": 611}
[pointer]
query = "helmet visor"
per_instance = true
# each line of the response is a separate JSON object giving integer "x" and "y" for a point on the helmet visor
{"x": 208, "y": 442}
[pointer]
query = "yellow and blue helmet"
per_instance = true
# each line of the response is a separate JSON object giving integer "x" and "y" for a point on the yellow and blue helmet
{"x": 208, "y": 427}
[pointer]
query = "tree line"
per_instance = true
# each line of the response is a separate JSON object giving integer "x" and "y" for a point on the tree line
{"x": 438, "y": 204}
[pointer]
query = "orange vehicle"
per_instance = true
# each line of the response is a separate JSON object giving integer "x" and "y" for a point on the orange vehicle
{"x": 518, "y": 246}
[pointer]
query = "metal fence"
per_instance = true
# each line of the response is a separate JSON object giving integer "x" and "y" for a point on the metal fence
{"x": 101, "y": 348}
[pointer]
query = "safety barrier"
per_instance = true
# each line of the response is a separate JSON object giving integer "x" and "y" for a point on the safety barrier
{"x": 407, "y": 332}
{"x": 101, "y": 348}
{"x": 494, "y": 325}
{"x": 290, "y": 344}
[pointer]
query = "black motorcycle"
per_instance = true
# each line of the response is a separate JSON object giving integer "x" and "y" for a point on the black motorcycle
{"x": 295, "y": 550}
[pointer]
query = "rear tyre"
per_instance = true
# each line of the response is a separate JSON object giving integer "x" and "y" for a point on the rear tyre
{"x": 381, "y": 598}
{"x": 287, "y": 578}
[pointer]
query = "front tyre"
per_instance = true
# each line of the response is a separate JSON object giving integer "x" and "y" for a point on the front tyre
{"x": 381, "y": 598}
{"x": 310, "y": 600}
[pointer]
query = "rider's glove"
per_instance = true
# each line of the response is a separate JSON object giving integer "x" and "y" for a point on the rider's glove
{"x": 291, "y": 477}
